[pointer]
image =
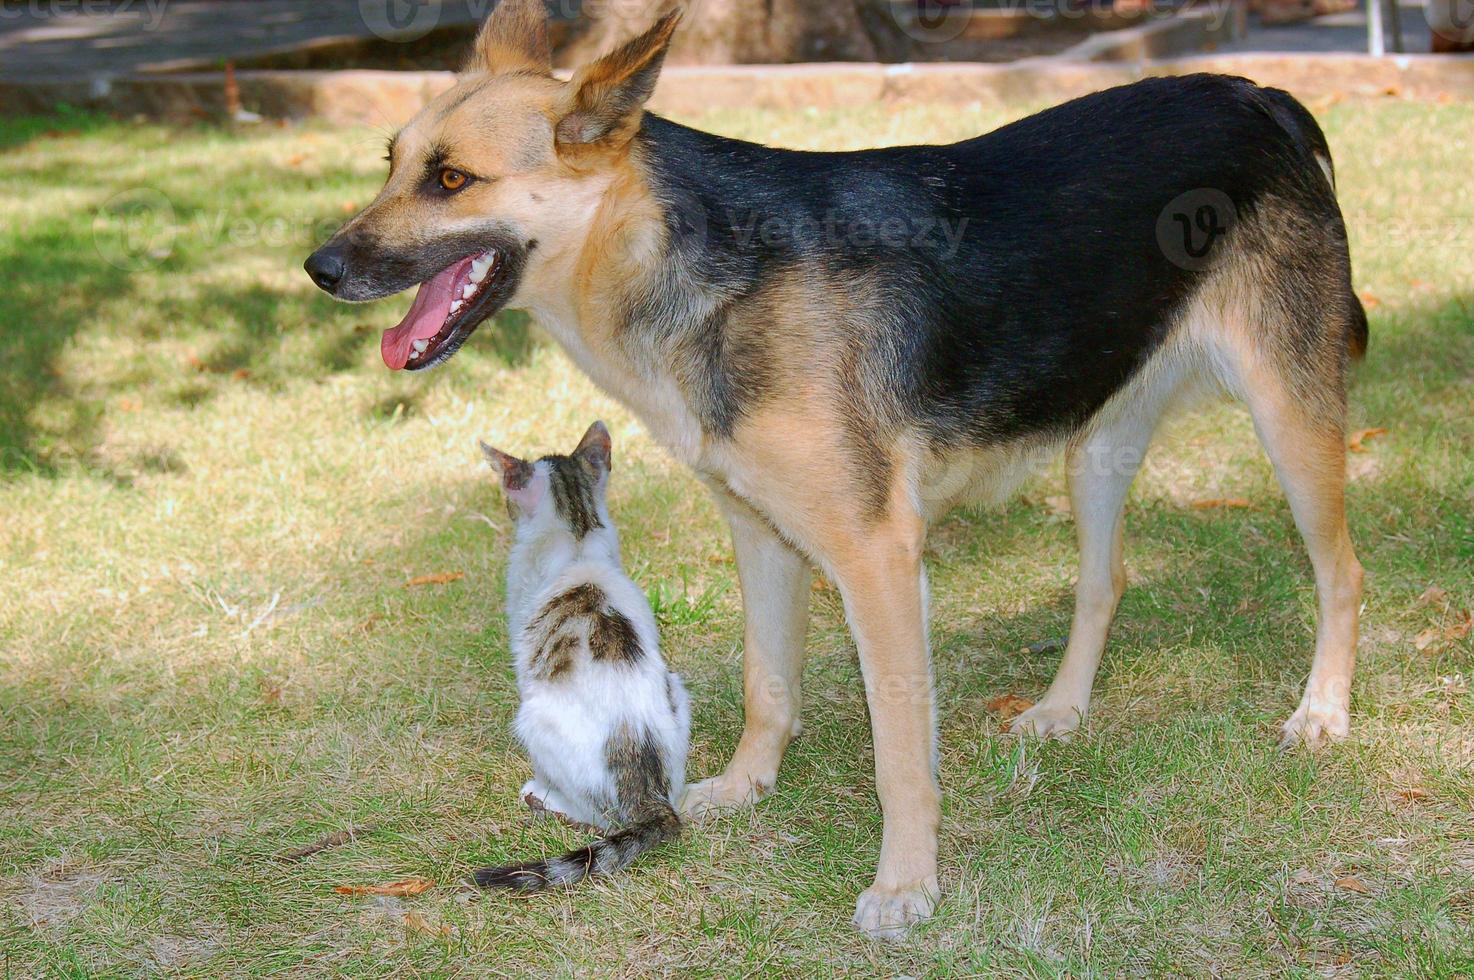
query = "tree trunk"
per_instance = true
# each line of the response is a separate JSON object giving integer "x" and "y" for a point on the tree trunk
{"x": 718, "y": 32}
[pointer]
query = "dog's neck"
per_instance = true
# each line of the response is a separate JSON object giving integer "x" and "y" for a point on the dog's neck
{"x": 647, "y": 296}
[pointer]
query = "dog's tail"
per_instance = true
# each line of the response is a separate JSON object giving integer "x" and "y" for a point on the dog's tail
{"x": 1301, "y": 126}
{"x": 654, "y": 824}
{"x": 1359, "y": 334}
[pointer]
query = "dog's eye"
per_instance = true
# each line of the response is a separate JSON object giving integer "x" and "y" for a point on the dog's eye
{"x": 452, "y": 180}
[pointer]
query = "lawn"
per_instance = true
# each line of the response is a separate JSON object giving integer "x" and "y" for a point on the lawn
{"x": 213, "y": 496}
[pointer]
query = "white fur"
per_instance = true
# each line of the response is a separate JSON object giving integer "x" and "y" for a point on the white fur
{"x": 565, "y": 723}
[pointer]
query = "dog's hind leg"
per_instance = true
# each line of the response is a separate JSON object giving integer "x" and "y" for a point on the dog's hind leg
{"x": 1285, "y": 355}
{"x": 1309, "y": 457}
{"x": 1100, "y": 468}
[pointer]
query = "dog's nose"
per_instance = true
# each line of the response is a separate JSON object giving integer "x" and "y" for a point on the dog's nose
{"x": 325, "y": 266}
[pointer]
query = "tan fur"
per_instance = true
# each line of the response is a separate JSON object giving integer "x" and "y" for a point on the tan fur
{"x": 514, "y": 38}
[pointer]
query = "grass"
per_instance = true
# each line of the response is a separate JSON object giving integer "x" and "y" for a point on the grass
{"x": 213, "y": 495}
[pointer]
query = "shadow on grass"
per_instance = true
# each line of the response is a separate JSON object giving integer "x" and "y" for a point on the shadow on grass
{"x": 49, "y": 415}
{"x": 20, "y": 131}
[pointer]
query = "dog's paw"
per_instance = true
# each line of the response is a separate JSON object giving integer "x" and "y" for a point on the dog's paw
{"x": 889, "y": 913}
{"x": 1045, "y": 720}
{"x": 1315, "y": 723}
{"x": 724, "y": 792}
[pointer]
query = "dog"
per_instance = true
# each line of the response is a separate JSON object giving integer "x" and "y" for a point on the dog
{"x": 844, "y": 346}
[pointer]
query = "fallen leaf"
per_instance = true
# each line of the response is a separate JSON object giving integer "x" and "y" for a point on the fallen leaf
{"x": 1414, "y": 794}
{"x": 1427, "y": 638}
{"x": 367, "y": 626}
{"x": 1009, "y": 706}
{"x": 1369, "y": 299}
{"x": 404, "y": 888}
{"x": 196, "y": 363}
{"x": 1393, "y": 91}
{"x": 439, "y": 578}
{"x": 240, "y": 374}
{"x": 1350, "y": 883}
{"x": 1221, "y": 502}
{"x": 1360, "y": 436}
{"x": 1460, "y": 627}
{"x": 415, "y": 922}
{"x": 128, "y": 405}
{"x": 1433, "y": 596}
{"x": 295, "y": 160}
{"x": 270, "y": 691}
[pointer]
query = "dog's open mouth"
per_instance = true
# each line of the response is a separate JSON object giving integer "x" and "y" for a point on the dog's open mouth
{"x": 447, "y": 309}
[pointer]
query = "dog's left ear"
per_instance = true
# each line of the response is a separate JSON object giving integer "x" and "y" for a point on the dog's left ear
{"x": 606, "y": 97}
{"x": 514, "y": 38}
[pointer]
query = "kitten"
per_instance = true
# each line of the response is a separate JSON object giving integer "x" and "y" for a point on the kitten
{"x": 605, "y": 724}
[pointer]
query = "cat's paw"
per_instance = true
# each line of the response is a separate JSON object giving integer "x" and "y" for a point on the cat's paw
{"x": 724, "y": 792}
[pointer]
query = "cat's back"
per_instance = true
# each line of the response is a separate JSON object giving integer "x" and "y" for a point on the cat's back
{"x": 590, "y": 617}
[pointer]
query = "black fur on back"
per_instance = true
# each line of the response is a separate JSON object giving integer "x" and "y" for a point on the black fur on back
{"x": 1047, "y": 291}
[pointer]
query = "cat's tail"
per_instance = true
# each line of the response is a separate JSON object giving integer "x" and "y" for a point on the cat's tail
{"x": 655, "y": 823}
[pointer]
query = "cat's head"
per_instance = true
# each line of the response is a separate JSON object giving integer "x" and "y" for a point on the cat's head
{"x": 558, "y": 496}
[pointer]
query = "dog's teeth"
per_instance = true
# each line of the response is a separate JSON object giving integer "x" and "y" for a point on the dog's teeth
{"x": 479, "y": 267}
{"x": 467, "y": 291}
{"x": 413, "y": 354}
{"x": 456, "y": 306}
{"x": 420, "y": 346}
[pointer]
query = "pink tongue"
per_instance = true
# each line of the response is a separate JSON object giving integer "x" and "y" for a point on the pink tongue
{"x": 426, "y": 315}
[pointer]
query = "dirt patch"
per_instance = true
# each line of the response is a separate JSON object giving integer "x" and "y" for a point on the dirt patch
{"x": 58, "y": 894}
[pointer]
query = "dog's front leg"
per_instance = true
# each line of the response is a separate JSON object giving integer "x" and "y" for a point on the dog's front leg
{"x": 884, "y": 588}
{"x": 775, "y": 597}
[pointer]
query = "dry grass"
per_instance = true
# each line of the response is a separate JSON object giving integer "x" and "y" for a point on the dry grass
{"x": 213, "y": 495}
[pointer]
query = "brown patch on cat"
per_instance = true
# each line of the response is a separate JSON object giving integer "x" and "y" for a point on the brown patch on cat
{"x": 581, "y": 616}
{"x": 613, "y": 638}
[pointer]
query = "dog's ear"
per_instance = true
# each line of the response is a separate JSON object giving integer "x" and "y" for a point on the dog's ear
{"x": 514, "y": 38}
{"x": 607, "y": 96}
{"x": 522, "y": 482}
{"x": 595, "y": 449}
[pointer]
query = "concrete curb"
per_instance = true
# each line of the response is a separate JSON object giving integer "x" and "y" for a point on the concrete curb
{"x": 387, "y": 97}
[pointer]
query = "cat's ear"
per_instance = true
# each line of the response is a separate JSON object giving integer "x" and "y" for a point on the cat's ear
{"x": 595, "y": 449}
{"x": 523, "y": 484}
